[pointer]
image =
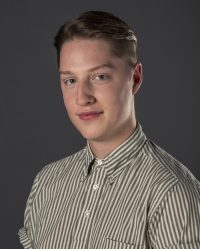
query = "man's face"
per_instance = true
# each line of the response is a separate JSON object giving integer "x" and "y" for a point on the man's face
{"x": 98, "y": 89}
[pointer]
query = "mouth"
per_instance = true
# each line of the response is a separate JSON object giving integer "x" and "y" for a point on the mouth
{"x": 86, "y": 116}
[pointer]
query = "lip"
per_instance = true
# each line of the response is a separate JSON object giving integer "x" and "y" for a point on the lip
{"x": 89, "y": 115}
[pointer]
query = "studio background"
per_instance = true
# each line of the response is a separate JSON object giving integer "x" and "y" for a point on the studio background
{"x": 34, "y": 128}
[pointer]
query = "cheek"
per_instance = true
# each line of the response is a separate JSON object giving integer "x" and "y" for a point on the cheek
{"x": 113, "y": 104}
{"x": 120, "y": 103}
{"x": 118, "y": 96}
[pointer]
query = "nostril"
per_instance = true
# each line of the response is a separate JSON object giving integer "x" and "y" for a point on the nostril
{"x": 85, "y": 98}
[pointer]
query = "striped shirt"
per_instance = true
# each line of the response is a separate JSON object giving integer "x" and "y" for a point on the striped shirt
{"x": 138, "y": 197}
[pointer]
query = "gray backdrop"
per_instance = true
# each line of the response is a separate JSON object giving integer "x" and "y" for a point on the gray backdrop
{"x": 34, "y": 127}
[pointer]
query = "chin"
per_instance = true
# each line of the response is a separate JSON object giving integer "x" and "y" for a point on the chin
{"x": 91, "y": 135}
{"x": 89, "y": 131}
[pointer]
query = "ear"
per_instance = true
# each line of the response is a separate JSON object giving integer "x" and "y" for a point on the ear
{"x": 137, "y": 77}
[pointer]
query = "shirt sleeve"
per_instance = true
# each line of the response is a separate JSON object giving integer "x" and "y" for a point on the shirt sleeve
{"x": 26, "y": 233}
{"x": 176, "y": 222}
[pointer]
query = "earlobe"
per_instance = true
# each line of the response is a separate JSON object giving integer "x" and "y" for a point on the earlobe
{"x": 137, "y": 77}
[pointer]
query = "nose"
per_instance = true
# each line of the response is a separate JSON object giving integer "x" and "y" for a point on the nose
{"x": 84, "y": 94}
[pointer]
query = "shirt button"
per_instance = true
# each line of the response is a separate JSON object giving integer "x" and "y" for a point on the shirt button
{"x": 95, "y": 186}
{"x": 87, "y": 213}
{"x": 99, "y": 162}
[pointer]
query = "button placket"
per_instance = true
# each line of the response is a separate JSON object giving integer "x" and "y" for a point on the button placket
{"x": 93, "y": 186}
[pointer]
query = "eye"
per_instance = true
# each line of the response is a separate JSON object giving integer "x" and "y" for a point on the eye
{"x": 69, "y": 81}
{"x": 101, "y": 77}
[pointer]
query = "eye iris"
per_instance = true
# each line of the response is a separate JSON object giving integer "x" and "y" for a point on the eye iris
{"x": 70, "y": 81}
{"x": 101, "y": 76}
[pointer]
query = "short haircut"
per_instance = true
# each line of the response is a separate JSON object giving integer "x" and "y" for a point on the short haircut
{"x": 100, "y": 25}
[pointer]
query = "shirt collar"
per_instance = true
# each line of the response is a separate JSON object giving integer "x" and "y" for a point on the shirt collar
{"x": 120, "y": 158}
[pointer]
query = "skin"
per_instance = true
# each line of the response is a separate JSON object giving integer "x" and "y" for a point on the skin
{"x": 98, "y": 91}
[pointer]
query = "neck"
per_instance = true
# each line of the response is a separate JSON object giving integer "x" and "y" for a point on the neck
{"x": 102, "y": 149}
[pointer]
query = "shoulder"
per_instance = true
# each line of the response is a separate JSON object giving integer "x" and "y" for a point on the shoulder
{"x": 56, "y": 167}
{"x": 54, "y": 171}
{"x": 169, "y": 179}
{"x": 168, "y": 166}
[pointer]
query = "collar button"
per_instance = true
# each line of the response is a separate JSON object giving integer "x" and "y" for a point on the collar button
{"x": 99, "y": 162}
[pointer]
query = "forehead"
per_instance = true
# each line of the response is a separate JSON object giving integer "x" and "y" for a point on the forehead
{"x": 86, "y": 53}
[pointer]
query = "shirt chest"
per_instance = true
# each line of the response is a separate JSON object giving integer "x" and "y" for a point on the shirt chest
{"x": 94, "y": 213}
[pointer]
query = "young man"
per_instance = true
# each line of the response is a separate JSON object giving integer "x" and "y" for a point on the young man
{"x": 121, "y": 191}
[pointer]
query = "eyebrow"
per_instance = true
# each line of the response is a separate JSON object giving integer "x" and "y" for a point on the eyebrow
{"x": 109, "y": 65}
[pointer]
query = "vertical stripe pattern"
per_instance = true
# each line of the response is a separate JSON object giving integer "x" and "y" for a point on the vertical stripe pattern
{"x": 138, "y": 197}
